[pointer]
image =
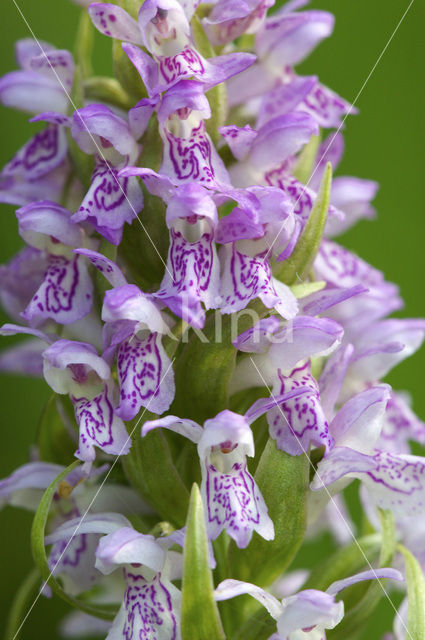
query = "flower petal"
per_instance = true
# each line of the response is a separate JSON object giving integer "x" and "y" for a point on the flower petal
{"x": 110, "y": 202}
{"x": 187, "y": 428}
{"x": 115, "y": 22}
{"x": 65, "y": 295}
{"x": 232, "y": 588}
{"x": 145, "y": 375}
{"x": 99, "y": 426}
{"x": 110, "y": 270}
{"x": 358, "y": 423}
{"x": 126, "y": 546}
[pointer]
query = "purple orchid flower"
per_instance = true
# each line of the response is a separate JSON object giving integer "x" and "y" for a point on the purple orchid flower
{"x": 229, "y": 20}
{"x": 40, "y": 168}
{"x": 309, "y": 612}
{"x": 192, "y": 271}
{"x": 188, "y": 153}
{"x": 150, "y": 597}
{"x": 266, "y": 157}
{"x": 134, "y": 327}
{"x": 338, "y": 267}
{"x": 281, "y": 359}
{"x": 65, "y": 294}
{"x": 232, "y": 500}
{"x": 20, "y": 278}
{"x": 284, "y": 40}
{"x": 42, "y": 83}
{"x": 394, "y": 481}
{"x": 259, "y": 152}
{"x": 71, "y": 556}
{"x": 112, "y": 200}
{"x": 305, "y": 94}
{"x": 163, "y": 29}
{"x": 75, "y": 368}
{"x": 231, "y": 497}
{"x": 400, "y": 425}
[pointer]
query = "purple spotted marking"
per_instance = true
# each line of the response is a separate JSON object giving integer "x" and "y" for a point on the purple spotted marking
{"x": 65, "y": 295}
{"x": 192, "y": 157}
{"x": 299, "y": 422}
{"x": 148, "y": 606}
{"x": 185, "y": 64}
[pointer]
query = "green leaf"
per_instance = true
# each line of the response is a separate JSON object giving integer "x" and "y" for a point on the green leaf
{"x": 415, "y": 595}
{"x": 283, "y": 481}
{"x": 150, "y": 468}
{"x": 200, "y": 617}
{"x": 39, "y": 551}
{"x": 361, "y": 599}
{"x": 53, "y": 439}
{"x": 306, "y": 159}
{"x": 297, "y": 267}
{"x": 217, "y": 96}
{"x": 21, "y": 604}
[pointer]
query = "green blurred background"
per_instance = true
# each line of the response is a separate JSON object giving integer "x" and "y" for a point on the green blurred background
{"x": 385, "y": 143}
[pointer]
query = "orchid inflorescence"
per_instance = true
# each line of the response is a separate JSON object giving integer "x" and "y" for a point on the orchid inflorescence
{"x": 199, "y": 327}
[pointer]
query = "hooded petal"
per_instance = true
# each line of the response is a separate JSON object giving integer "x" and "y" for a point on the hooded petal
{"x": 43, "y": 223}
{"x": 307, "y": 609}
{"x": 230, "y": 19}
{"x": 128, "y": 546}
{"x": 129, "y": 303}
{"x": 96, "y": 128}
{"x": 62, "y": 375}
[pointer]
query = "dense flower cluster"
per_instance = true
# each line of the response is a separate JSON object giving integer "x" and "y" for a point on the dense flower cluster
{"x": 180, "y": 274}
